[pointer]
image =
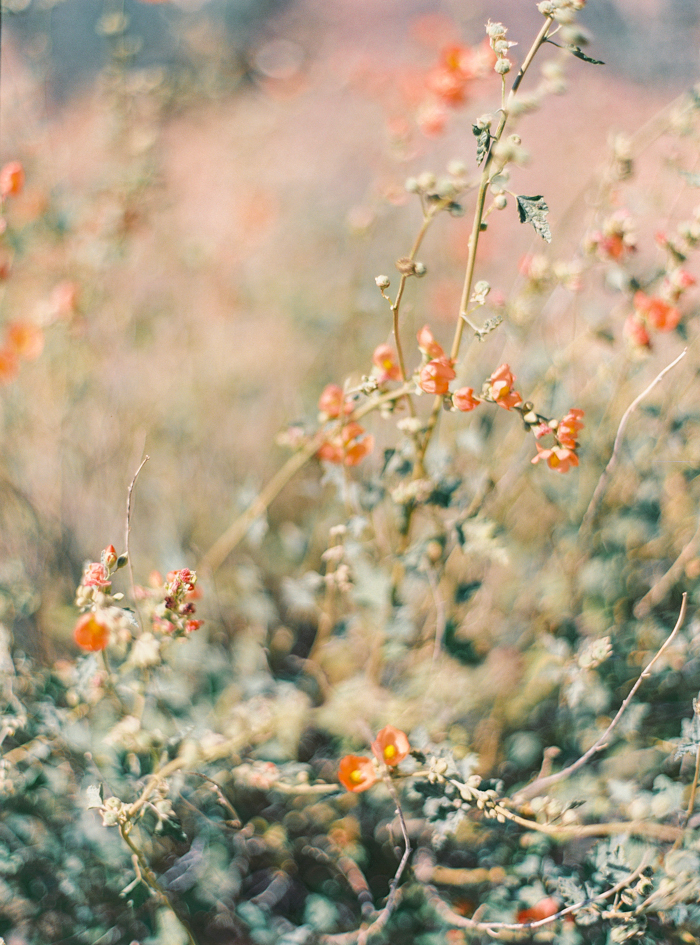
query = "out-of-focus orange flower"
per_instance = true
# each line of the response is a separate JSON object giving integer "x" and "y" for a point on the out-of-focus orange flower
{"x": 385, "y": 359}
{"x": 541, "y": 910}
{"x": 9, "y": 365}
{"x": 349, "y": 447}
{"x": 559, "y": 458}
{"x": 26, "y": 340}
{"x": 432, "y": 118}
{"x": 356, "y": 773}
{"x": 91, "y": 634}
{"x": 436, "y": 375}
{"x": 464, "y": 399}
{"x": 501, "y": 388}
{"x": 391, "y": 745}
{"x": 428, "y": 344}
{"x": 636, "y": 331}
{"x": 332, "y": 402}
{"x": 11, "y": 179}
{"x": 659, "y": 313}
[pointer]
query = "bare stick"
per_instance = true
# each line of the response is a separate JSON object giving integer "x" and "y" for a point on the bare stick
{"x": 541, "y": 784}
{"x": 127, "y": 532}
{"x": 603, "y": 481}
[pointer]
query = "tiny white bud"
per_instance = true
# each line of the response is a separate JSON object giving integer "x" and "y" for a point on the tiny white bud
{"x": 419, "y": 270}
{"x": 457, "y": 168}
{"x": 503, "y": 66}
{"x": 412, "y": 185}
{"x": 500, "y": 202}
{"x": 383, "y": 282}
{"x": 426, "y": 180}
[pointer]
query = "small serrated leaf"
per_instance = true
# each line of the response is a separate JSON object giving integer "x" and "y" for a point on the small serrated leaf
{"x": 578, "y": 52}
{"x": 483, "y": 142}
{"x": 534, "y": 210}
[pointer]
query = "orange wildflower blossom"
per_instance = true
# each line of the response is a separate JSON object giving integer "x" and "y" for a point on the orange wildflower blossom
{"x": 436, "y": 375}
{"x": 348, "y": 447}
{"x": 500, "y": 388}
{"x": 332, "y": 402}
{"x": 26, "y": 340}
{"x": 391, "y": 745}
{"x": 464, "y": 399}
{"x": 541, "y": 910}
{"x": 11, "y": 179}
{"x": 428, "y": 344}
{"x": 385, "y": 359}
{"x": 356, "y": 773}
{"x": 569, "y": 426}
{"x": 659, "y": 314}
{"x": 636, "y": 331}
{"x": 559, "y": 458}
{"x": 9, "y": 365}
{"x": 91, "y": 633}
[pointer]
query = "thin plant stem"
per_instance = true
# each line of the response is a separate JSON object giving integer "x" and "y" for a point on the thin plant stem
{"x": 540, "y": 785}
{"x": 149, "y": 878}
{"x": 476, "y": 230}
{"x": 597, "y": 496}
{"x": 127, "y": 533}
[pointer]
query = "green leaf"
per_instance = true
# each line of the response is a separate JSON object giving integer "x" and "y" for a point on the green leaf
{"x": 576, "y": 51}
{"x": 534, "y": 210}
{"x": 483, "y": 142}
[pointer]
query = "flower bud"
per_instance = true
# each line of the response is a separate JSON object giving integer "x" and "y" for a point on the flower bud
{"x": 426, "y": 180}
{"x": 500, "y": 202}
{"x": 383, "y": 282}
{"x": 503, "y": 66}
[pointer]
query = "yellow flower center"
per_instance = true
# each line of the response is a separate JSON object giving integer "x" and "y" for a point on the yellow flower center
{"x": 389, "y": 751}
{"x": 356, "y": 776}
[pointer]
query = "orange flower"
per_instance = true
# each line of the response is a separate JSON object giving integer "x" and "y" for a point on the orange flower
{"x": 636, "y": 331}
{"x": 91, "y": 634}
{"x": 428, "y": 344}
{"x": 464, "y": 399}
{"x": 391, "y": 745}
{"x": 11, "y": 179}
{"x": 384, "y": 358}
{"x": 9, "y": 365}
{"x": 436, "y": 375}
{"x": 569, "y": 426}
{"x": 543, "y": 909}
{"x": 356, "y": 773}
{"x": 26, "y": 340}
{"x": 332, "y": 402}
{"x": 501, "y": 388}
{"x": 349, "y": 447}
{"x": 660, "y": 314}
{"x": 558, "y": 458}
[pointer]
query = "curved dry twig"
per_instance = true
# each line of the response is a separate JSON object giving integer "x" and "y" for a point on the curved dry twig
{"x": 541, "y": 784}
{"x": 597, "y": 496}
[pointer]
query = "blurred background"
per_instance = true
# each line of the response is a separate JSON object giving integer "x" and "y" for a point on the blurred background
{"x": 211, "y": 188}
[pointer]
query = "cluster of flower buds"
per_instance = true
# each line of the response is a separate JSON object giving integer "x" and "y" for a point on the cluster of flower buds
{"x": 175, "y": 614}
{"x": 496, "y": 33}
{"x": 94, "y": 629}
{"x": 357, "y": 773}
{"x": 347, "y": 443}
{"x": 561, "y": 10}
